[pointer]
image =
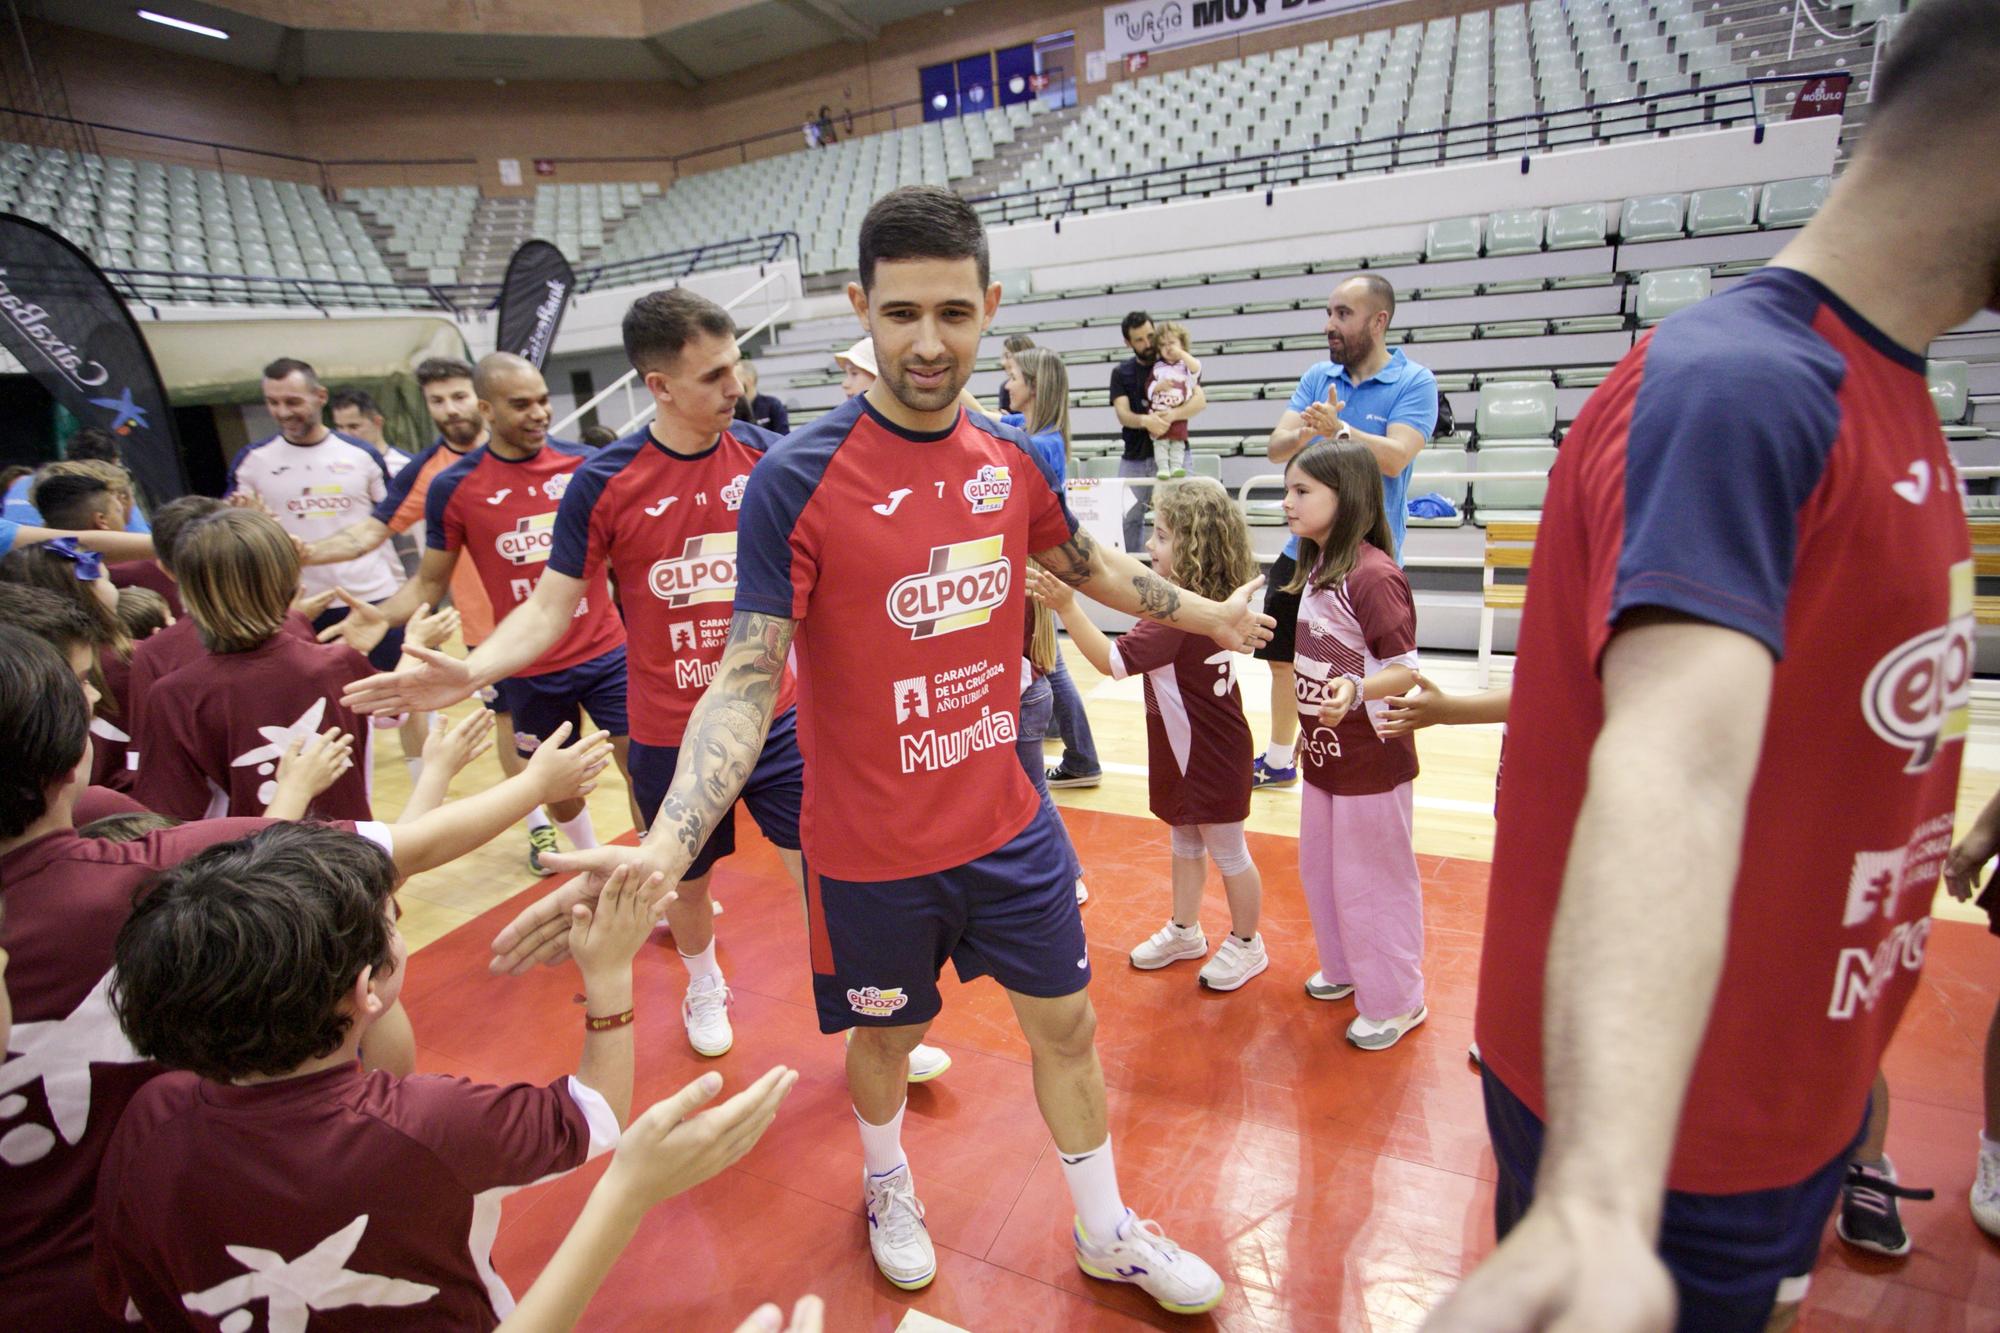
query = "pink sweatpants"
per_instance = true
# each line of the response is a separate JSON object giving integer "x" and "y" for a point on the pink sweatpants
{"x": 1360, "y": 879}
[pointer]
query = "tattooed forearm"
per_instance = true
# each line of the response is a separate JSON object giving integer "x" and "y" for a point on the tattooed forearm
{"x": 726, "y": 732}
{"x": 1073, "y": 562}
{"x": 1158, "y": 599}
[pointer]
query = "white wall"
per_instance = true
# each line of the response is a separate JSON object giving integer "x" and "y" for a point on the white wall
{"x": 1385, "y": 214}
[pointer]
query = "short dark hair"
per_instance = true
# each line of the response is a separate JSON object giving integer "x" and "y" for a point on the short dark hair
{"x": 359, "y": 399}
{"x": 237, "y": 962}
{"x": 290, "y": 365}
{"x": 46, "y": 721}
{"x": 91, "y": 442}
{"x": 127, "y": 827}
{"x": 922, "y": 222}
{"x": 142, "y": 612}
{"x": 1377, "y": 286}
{"x": 660, "y": 324}
{"x": 433, "y": 369}
{"x": 597, "y": 436}
{"x": 1133, "y": 319}
{"x": 54, "y": 619}
{"x": 1939, "y": 73}
{"x": 70, "y": 498}
{"x": 171, "y": 519}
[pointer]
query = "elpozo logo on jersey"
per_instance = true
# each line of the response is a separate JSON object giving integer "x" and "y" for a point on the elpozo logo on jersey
{"x": 965, "y": 581}
{"x": 704, "y": 571}
{"x": 556, "y": 486}
{"x": 732, "y": 494}
{"x": 529, "y": 540}
{"x": 1918, "y": 697}
{"x": 989, "y": 490}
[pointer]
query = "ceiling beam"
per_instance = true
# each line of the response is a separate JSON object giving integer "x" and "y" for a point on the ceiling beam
{"x": 851, "y": 28}
{"x": 677, "y": 69}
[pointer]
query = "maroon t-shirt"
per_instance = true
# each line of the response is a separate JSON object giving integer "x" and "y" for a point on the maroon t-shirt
{"x": 95, "y": 803}
{"x": 147, "y": 574}
{"x": 1357, "y": 627}
{"x": 69, "y": 1069}
{"x": 1198, "y": 750}
{"x": 212, "y": 731}
{"x": 111, "y": 726}
{"x": 174, "y": 647}
{"x": 343, "y": 1200}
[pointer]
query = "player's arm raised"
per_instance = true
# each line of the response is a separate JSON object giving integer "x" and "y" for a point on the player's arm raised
{"x": 724, "y": 737}
{"x": 1123, "y": 584}
{"x": 350, "y": 543}
{"x": 1634, "y": 959}
{"x": 441, "y": 682}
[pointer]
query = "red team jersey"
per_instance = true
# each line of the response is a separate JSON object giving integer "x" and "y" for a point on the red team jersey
{"x": 214, "y": 729}
{"x": 501, "y": 513}
{"x": 1357, "y": 627}
{"x": 667, "y": 524}
{"x": 1769, "y": 462}
{"x": 900, "y": 554}
{"x": 1198, "y": 749}
{"x": 341, "y": 1200}
{"x": 69, "y": 1070}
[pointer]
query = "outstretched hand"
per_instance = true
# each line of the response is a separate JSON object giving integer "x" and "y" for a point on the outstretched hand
{"x": 425, "y": 681}
{"x": 1238, "y": 628}
{"x": 566, "y": 772}
{"x": 1424, "y": 706}
{"x": 672, "y": 1147}
{"x": 362, "y": 628}
{"x": 1049, "y": 590}
{"x": 539, "y": 936}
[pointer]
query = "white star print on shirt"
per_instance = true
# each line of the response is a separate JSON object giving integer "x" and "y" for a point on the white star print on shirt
{"x": 60, "y": 1052}
{"x": 317, "y": 1280}
{"x": 277, "y": 740}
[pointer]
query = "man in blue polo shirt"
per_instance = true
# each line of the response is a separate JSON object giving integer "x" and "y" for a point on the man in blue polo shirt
{"x": 1369, "y": 394}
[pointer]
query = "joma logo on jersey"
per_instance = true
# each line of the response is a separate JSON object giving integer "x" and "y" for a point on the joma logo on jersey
{"x": 965, "y": 581}
{"x": 989, "y": 490}
{"x": 704, "y": 571}
{"x": 732, "y": 494}
{"x": 1918, "y": 697}
{"x": 530, "y": 540}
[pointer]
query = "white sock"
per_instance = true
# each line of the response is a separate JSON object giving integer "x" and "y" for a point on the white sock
{"x": 1093, "y": 1186}
{"x": 416, "y": 766}
{"x": 1279, "y": 756}
{"x": 537, "y": 818}
{"x": 581, "y": 835}
{"x": 702, "y": 964}
{"x": 1987, "y": 1147}
{"x": 882, "y": 1145}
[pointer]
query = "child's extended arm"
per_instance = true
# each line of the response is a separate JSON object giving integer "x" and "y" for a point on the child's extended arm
{"x": 602, "y": 938}
{"x": 1429, "y": 706}
{"x": 556, "y": 773}
{"x": 1060, "y": 598}
{"x": 308, "y": 767}
{"x": 447, "y": 750}
{"x": 668, "y": 1150}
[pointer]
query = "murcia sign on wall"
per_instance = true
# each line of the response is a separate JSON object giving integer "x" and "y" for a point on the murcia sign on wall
{"x": 1150, "y": 25}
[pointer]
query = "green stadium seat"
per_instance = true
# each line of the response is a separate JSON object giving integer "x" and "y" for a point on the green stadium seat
{"x": 1514, "y": 231}
{"x": 1441, "y": 333}
{"x": 1452, "y": 238}
{"x": 1731, "y": 208}
{"x": 1792, "y": 203}
{"x": 1436, "y": 460}
{"x": 1512, "y": 498}
{"x": 1582, "y": 377}
{"x": 1101, "y": 466}
{"x": 1651, "y": 217}
{"x": 1574, "y": 226}
{"x": 1518, "y": 413}
{"x": 1204, "y": 464}
{"x": 1664, "y": 291}
{"x": 1949, "y": 395}
{"x": 1588, "y": 323}
{"x": 1514, "y": 328}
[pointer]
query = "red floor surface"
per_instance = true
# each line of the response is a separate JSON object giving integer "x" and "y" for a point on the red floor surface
{"x": 1333, "y": 1189}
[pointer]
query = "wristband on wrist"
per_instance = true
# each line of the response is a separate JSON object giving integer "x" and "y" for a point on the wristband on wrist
{"x": 1360, "y": 690}
{"x": 592, "y": 1023}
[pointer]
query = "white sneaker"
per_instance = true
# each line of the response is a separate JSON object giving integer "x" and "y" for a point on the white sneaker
{"x": 1235, "y": 962}
{"x": 1986, "y": 1194}
{"x": 927, "y": 1062}
{"x": 1169, "y": 944}
{"x": 897, "y": 1236}
{"x": 1320, "y": 988}
{"x": 1141, "y": 1254}
{"x": 1371, "y": 1035}
{"x": 1082, "y": 894}
{"x": 706, "y": 1013}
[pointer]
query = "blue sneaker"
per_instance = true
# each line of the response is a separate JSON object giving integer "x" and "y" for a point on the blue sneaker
{"x": 1263, "y": 775}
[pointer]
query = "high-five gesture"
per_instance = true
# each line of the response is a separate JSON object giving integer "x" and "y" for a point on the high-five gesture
{"x": 425, "y": 681}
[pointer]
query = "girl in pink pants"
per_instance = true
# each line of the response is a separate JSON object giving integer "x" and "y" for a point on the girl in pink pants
{"x": 1357, "y": 648}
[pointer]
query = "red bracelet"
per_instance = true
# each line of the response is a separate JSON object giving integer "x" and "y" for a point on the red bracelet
{"x": 592, "y": 1023}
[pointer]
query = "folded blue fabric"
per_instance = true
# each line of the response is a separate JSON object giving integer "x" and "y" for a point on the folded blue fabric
{"x": 1432, "y": 506}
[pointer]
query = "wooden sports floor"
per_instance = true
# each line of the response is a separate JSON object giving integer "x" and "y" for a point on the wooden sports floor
{"x": 1334, "y": 1189}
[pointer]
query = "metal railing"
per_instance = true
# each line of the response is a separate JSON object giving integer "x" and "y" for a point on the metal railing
{"x": 156, "y": 287}
{"x": 1720, "y": 106}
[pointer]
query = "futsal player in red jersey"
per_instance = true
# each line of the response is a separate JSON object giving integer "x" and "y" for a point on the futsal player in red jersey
{"x": 1738, "y": 716}
{"x": 886, "y": 543}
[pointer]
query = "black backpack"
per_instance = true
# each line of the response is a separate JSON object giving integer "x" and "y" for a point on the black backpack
{"x": 1447, "y": 423}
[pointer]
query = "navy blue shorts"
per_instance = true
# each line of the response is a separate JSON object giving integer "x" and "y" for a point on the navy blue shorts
{"x": 385, "y": 654}
{"x": 879, "y": 947}
{"x": 1732, "y": 1256}
{"x": 540, "y": 704}
{"x": 776, "y": 787}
